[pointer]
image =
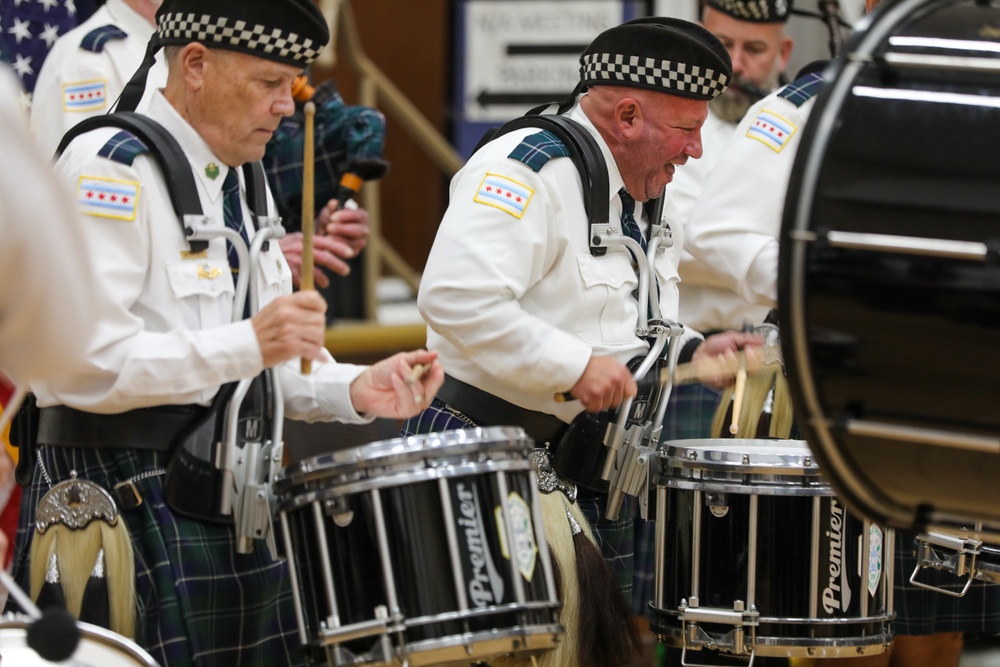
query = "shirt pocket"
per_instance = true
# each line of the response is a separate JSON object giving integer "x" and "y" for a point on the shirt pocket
{"x": 207, "y": 285}
{"x": 274, "y": 276}
{"x": 609, "y": 312}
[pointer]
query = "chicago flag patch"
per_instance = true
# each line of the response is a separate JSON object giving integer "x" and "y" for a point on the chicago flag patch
{"x": 505, "y": 194}
{"x": 107, "y": 197}
{"x": 771, "y": 130}
{"x": 85, "y": 95}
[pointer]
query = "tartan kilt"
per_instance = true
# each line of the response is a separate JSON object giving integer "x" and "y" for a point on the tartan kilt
{"x": 199, "y": 602}
{"x": 689, "y": 416}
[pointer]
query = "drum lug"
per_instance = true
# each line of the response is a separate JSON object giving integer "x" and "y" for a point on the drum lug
{"x": 337, "y": 509}
{"x": 718, "y": 504}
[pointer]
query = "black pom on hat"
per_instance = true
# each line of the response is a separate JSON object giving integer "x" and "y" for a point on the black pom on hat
{"x": 755, "y": 11}
{"x": 292, "y": 32}
{"x": 664, "y": 54}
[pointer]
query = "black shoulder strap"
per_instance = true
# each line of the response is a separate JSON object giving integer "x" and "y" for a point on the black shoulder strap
{"x": 253, "y": 175}
{"x": 173, "y": 164}
{"x": 585, "y": 154}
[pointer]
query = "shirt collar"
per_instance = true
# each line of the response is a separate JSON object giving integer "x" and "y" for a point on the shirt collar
{"x": 195, "y": 149}
{"x": 615, "y": 180}
{"x": 130, "y": 20}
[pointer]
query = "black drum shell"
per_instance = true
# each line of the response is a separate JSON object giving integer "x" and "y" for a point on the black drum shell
{"x": 474, "y": 485}
{"x": 810, "y": 569}
{"x": 898, "y": 146}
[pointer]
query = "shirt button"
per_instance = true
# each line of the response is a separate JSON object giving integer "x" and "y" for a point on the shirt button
{"x": 615, "y": 280}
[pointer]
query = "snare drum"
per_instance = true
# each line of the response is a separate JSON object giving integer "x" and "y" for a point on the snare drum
{"x": 426, "y": 550}
{"x": 756, "y": 556}
{"x": 98, "y": 647}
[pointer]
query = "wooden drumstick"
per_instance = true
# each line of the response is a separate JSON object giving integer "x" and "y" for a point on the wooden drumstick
{"x": 741, "y": 383}
{"x": 413, "y": 378}
{"x": 308, "y": 210}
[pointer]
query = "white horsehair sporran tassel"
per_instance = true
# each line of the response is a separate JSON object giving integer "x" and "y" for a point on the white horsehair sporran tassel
{"x": 81, "y": 551}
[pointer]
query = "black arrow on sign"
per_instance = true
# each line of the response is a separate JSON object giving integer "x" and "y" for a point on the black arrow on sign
{"x": 487, "y": 98}
{"x": 545, "y": 49}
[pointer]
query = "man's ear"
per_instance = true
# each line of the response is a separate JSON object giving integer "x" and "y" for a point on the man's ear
{"x": 194, "y": 59}
{"x": 628, "y": 117}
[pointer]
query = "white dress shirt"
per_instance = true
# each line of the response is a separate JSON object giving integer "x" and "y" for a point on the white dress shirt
{"x": 47, "y": 289}
{"x": 516, "y": 304}
{"x": 734, "y": 227}
{"x": 67, "y": 66}
{"x": 171, "y": 338}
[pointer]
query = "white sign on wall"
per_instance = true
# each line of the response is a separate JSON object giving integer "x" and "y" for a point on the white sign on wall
{"x": 521, "y": 54}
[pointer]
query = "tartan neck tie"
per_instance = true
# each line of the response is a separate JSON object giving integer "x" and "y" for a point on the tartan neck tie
{"x": 233, "y": 213}
{"x": 629, "y": 225}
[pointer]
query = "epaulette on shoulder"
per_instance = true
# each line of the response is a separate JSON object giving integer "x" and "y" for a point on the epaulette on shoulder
{"x": 124, "y": 147}
{"x": 96, "y": 39}
{"x": 535, "y": 150}
{"x": 798, "y": 92}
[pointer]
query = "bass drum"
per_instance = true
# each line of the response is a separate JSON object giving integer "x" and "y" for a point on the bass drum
{"x": 889, "y": 281}
{"x": 97, "y": 648}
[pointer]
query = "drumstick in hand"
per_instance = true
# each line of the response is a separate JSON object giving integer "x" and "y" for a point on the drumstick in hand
{"x": 413, "y": 378}
{"x": 741, "y": 383}
{"x": 749, "y": 360}
{"x": 308, "y": 210}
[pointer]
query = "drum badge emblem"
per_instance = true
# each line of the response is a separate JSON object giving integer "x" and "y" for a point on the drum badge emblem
{"x": 525, "y": 548}
{"x": 874, "y": 558}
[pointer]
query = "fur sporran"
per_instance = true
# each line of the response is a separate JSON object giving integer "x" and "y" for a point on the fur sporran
{"x": 81, "y": 556}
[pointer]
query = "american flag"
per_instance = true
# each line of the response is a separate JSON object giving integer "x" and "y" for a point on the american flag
{"x": 29, "y": 28}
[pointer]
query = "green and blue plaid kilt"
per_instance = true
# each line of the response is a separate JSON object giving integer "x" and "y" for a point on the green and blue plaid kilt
{"x": 199, "y": 601}
{"x": 924, "y": 612}
{"x": 614, "y": 537}
{"x": 689, "y": 416}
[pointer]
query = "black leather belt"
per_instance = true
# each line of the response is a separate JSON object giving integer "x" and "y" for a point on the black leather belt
{"x": 488, "y": 410}
{"x": 152, "y": 429}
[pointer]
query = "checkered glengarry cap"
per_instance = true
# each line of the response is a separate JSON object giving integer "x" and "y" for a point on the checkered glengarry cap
{"x": 756, "y": 11}
{"x": 663, "y": 54}
{"x": 292, "y": 32}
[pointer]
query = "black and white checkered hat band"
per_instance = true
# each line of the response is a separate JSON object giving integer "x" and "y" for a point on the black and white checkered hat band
{"x": 652, "y": 73}
{"x": 238, "y": 34}
{"x": 755, "y": 10}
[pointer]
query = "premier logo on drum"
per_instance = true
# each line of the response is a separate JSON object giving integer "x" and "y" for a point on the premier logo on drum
{"x": 836, "y": 596}
{"x": 485, "y": 588}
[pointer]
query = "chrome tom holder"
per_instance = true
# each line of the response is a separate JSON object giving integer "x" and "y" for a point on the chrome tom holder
{"x": 632, "y": 448}
{"x": 249, "y": 464}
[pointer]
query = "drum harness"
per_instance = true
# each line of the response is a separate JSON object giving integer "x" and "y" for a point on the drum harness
{"x": 632, "y": 438}
{"x": 230, "y": 451}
